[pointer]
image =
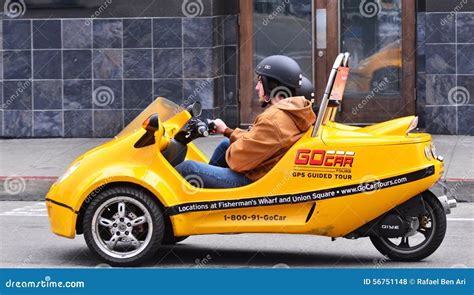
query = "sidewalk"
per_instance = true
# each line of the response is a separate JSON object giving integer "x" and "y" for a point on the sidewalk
{"x": 28, "y": 167}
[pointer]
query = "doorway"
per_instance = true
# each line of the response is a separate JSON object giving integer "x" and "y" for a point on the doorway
{"x": 379, "y": 34}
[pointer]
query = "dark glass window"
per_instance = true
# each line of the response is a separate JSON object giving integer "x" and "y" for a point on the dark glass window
{"x": 371, "y": 32}
{"x": 284, "y": 27}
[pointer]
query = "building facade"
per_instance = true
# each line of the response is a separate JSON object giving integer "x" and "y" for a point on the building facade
{"x": 445, "y": 66}
{"x": 87, "y": 68}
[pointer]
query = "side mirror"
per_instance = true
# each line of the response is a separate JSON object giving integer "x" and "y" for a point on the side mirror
{"x": 195, "y": 109}
{"x": 152, "y": 123}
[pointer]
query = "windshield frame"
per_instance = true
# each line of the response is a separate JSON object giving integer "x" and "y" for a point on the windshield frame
{"x": 165, "y": 109}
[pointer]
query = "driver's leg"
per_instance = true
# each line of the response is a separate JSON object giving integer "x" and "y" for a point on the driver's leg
{"x": 209, "y": 176}
{"x": 218, "y": 157}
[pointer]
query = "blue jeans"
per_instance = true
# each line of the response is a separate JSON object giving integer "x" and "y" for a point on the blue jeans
{"x": 216, "y": 174}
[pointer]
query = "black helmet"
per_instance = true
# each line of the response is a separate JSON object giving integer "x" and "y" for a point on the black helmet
{"x": 281, "y": 68}
{"x": 306, "y": 89}
{"x": 277, "y": 71}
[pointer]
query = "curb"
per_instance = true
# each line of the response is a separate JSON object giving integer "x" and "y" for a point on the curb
{"x": 462, "y": 190}
{"x": 25, "y": 188}
{"x": 34, "y": 188}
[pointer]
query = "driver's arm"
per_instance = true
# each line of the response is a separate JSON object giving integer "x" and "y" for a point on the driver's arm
{"x": 254, "y": 146}
{"x": 234, "y": 134}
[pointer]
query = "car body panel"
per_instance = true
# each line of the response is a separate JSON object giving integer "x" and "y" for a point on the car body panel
{"x": 378, "y": 153}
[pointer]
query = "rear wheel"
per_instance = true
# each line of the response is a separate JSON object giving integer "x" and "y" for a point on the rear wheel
{"x": 420, "y": 243}
{"x": 123, "y": 226}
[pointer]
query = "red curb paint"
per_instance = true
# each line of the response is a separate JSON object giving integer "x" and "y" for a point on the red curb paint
{"x": 29, "y": 177}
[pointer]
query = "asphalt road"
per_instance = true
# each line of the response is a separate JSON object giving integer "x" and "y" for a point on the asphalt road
{"x": 26, "y": 241}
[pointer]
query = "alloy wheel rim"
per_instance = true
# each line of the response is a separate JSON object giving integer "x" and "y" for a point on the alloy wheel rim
{"x": 427, "y": 232}
{"x": 122, "y": 227}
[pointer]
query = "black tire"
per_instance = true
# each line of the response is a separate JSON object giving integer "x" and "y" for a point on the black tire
{"x": 154, "y": 220}
{"x": 169, "y": 237}
{"x": 427, "y": 247}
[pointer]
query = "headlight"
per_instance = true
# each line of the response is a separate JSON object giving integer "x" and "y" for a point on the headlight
{"x": 433, "y": 151}
{"x": 428, "y": 153}
{"x": 68, "y": 172}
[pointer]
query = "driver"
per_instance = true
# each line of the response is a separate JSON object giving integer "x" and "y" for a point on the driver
{"x": 247, "y": 155}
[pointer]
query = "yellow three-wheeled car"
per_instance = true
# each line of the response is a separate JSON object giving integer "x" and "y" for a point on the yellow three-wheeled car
{"x": 338, "y": 181}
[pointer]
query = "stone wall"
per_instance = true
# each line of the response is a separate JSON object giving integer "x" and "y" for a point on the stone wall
{"x": 445, "y": 66}
{"x": 88, "y": 68}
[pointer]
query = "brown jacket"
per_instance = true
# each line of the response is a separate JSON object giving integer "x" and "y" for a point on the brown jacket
{"x": 255, "y": 152}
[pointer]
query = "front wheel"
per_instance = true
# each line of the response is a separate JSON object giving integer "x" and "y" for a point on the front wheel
{"x": 424, "y": 241}
{"x": 123, "y": 226}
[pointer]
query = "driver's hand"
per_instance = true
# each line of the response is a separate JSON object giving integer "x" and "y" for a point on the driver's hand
{"x": 220, "y": 126}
